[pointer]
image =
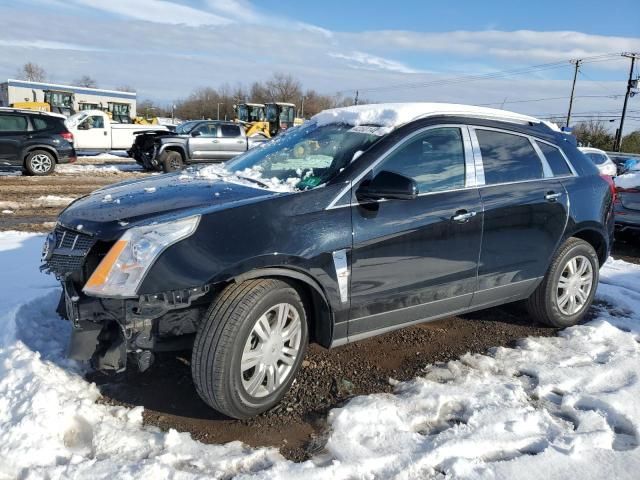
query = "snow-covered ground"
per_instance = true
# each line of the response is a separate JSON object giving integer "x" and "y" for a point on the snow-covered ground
{"x": 562, "y": 407}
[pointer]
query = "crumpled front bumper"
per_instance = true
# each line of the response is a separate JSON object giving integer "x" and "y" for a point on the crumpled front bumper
{"x": 107, "y": 330}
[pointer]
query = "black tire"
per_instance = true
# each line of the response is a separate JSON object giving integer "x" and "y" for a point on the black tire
{"x": 39, "y": 163}
{"x": 543, "y": 303}
{"x": 171, "y": 161}
{"x": 221, "y": 339}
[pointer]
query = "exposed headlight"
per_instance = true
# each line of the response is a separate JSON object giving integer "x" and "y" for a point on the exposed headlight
{"x": 121, "y": 272}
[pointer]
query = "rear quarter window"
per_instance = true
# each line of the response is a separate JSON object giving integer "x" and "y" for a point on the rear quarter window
{"x": 508, "y": 157}
{"x": 555, "y": 159}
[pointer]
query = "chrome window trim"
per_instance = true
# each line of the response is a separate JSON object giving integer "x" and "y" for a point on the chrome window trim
{"x": 463, "y": 128}
{"x": 546, "y": 169}
{"x": 566, "y": 159}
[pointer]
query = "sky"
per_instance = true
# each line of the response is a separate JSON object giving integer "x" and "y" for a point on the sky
{"x": 389, "y": 51}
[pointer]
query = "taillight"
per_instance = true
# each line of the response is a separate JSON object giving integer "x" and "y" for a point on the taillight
{"x": 68, "y": 136}
{"x": 612, "y": 186}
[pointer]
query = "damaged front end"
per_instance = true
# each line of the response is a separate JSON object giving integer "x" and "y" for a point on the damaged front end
{"x": 146, "y": 148}
{"x": 117, "y": 326}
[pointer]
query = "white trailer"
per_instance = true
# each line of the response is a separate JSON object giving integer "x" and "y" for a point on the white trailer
{"x": 69, "y": 99}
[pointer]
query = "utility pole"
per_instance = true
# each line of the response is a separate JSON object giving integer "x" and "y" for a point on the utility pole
{"x": 573, "y": 89}
{"x": 618, "y": 141}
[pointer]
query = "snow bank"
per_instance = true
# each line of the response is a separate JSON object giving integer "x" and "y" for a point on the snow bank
{"x": 75, "y": 168}
{"x": 396, "y": 114}
{"x": 563, "y": 407}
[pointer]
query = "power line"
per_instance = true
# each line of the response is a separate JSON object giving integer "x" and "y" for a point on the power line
{"x": 485, "y": 76}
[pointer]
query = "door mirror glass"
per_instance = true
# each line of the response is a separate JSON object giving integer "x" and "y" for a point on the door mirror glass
{"x": 196, "y": 133}
{"x": 388, "y": 185}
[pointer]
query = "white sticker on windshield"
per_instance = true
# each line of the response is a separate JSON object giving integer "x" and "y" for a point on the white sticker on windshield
{"x": 371, "y": 130}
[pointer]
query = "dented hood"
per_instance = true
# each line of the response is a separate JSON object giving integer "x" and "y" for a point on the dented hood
{"x": 110, "y": 210}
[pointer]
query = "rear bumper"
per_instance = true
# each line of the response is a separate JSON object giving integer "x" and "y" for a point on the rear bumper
{"x": 626, "y": 219}
{"x": 67, "y": 155}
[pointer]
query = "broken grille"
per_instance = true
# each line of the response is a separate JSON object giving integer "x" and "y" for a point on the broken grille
{"x": 69, "y": 253}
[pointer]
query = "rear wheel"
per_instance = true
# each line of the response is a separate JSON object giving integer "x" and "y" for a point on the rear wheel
{"x": 171, "y": 161}
{"x": 249, "y": 347}
{"x": 39, "y": 162}
{"x": 568, "y": 288}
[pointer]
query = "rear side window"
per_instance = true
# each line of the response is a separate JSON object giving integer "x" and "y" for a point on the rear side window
{"x": 434, "y": 159}
{"x": 508, "y": 158}
{"x": 47, "y": 123}
{"x": 230, "y": 130}
{"x": 596, "y": 158}
{"x": 13, "y": 123}
{"x": 555, "y": 160}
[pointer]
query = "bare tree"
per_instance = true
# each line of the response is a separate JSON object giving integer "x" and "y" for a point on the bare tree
{"x": 86, "y": 81}
{"x": 593, "y": 133}
{"x": 631, "y": 142}
{"x": 32, "y": 72}
{"x": 284, "y": 88}
{"x": 126, "y": 88}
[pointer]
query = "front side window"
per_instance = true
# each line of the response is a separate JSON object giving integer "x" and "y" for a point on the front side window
{"x": 507, "y": 157}
{"x": 230, "y": 131}
{"x": 434, "y": 159}
{"x": 207, "y": 130}
{"x": 13, "y": 123}
{"x": 555, "y": 160}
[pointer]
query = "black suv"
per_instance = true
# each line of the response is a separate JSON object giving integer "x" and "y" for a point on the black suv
{"x": 35, "y": 141}
{"x": 332, "y": 232}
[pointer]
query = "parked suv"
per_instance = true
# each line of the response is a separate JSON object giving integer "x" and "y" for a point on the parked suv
{"x": 192, "y": 142}
{"x": 35, "y": 141}
{"x": 364, "y": 220}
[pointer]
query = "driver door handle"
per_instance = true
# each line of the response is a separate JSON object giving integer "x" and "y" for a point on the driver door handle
{"x": 215, "y": 141}
{"x": 552, "y": 196}
{"x": 463, "y": 216}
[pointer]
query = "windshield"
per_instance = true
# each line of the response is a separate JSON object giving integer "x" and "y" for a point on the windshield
{"x": 185, "y": 127}
{"x": 306, "y": 156}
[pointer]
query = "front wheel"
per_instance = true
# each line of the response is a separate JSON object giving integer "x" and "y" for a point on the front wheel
{"x": 171, "y": 161}
{"x": 39, "y": 162}
{"x": 568, "y": 288}
{"x": 249, "y": 347}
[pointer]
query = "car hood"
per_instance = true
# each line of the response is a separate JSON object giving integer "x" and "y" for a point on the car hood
{"x": 110, "y": 210}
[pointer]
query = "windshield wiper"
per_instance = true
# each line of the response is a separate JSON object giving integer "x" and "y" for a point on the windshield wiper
{"x": 253, "y": 180}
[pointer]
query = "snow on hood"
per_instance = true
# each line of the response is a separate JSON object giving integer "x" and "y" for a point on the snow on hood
{"x": 395, "y": 114}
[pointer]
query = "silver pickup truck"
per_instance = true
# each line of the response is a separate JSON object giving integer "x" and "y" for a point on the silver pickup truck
{"x": 198, "y": 141}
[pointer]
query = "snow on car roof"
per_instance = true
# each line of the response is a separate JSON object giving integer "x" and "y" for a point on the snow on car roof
{"x": 395, "y": 114}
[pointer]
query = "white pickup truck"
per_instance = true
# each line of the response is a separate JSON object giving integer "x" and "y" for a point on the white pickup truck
{"x": 93, "y": 130}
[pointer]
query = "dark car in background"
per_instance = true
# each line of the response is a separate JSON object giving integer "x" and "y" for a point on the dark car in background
{"x": 363, "y": 220}
{"x": 198, "y": 141}
{"x": 34, "y": 141}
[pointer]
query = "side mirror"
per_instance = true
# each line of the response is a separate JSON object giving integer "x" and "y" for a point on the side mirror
{"x": 388, "y": 185}
{"x": 196, "y": 133}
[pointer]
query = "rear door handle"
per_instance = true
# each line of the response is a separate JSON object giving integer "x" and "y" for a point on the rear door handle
{"x": 215, "y": 141}
{"x": 552, "y": 196}
{"x": 463, "y": 216}
{"x": 239, "y": 141}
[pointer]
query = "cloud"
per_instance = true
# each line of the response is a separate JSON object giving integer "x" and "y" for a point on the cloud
{"x": 520, "y": 44}
{"x": 367, "y": 61}
{"x": 48, "y": 45}
{"x": 157, "y": 11}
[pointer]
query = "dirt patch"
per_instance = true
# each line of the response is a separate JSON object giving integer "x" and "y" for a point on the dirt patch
{"x": 33, "y": 203}
{"x": 328, "y": 378}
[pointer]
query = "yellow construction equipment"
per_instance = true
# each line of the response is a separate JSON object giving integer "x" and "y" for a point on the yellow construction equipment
{"x": 38, "y": 106}
{"x": 252, "y": 116}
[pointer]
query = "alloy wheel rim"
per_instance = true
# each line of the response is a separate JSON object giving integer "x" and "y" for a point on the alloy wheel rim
{"x": 574, "y": 285}
{"x": 271, "y": 350}
{"x": 40, "y": 163}
{"x": 175, "y": 163}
